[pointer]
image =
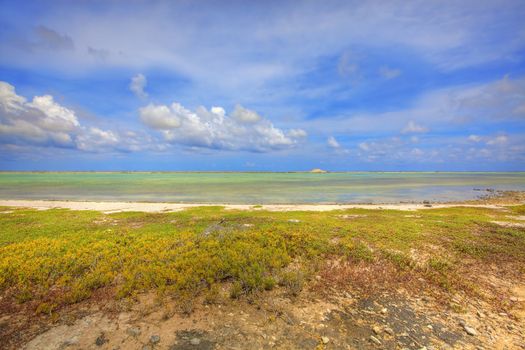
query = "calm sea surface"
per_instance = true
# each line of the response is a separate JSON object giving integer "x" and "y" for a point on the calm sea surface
{"x": 254, "y": 188}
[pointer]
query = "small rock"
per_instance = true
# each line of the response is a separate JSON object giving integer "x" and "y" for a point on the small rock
{"x": 375, "y": 340}
{"x": 513, "y": 299}
{"x": 376, "y": 329}
{"x": 430, "y": 327}
{"x": 470, "y": 330}
{"x": 133, "y": 331}
{"x": 101, "y": 340}
{"x": 294, "y": 220}
{"x": 325, "y": 340}
{"x": 154, "y": 339}
{"x": 384, "y": 310}
{"x": 389, "y": 331}
{"x": 195, "y": 341}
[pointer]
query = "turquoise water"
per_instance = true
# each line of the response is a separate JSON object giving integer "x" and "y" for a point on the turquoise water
{"x": 255, "y": 188}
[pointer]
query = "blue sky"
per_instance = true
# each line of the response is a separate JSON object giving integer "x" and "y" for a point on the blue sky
{"x": 262, "y": 85}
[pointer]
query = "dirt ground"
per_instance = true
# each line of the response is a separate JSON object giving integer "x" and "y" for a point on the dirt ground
{"x": 320, "y": 317}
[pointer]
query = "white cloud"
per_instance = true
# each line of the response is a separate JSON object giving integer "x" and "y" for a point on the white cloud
{"x": 389, "y": 73}
{"x": 332, "y": 142}
{"x": 416, "y": 152}
{"x": 137, "y": 85}
{"x": 162, "y": 117}
{"x": 363, "y": 146}
{"x": 412, "y": 127}
{"x": 297, "y": 133}
{"x": 244, "y": 115}
{"x": 44, "y": 122}
{"x": 498, "y": 140}
{"x": 474, "y": 138}
{"x": 214, "y": 129}
{"x": 39, "y": 121}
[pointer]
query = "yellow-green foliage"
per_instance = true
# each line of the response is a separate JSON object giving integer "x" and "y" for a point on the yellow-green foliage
{"x": 62, "y": 256}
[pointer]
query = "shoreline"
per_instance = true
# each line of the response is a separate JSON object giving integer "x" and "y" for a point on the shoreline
{"x": 121, "y": 206}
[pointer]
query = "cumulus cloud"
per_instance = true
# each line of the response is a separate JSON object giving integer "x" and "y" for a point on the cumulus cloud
{"x": 413, "y": 128}
{"x": 137, "y": 85}
{"x": 332, "y": 142}
{"x": 160, "y": 117}
{"x": 245, "y": 115}
{"x": 244, "y": 129}
{"x": 40, "y": 121}
{"x": 44, "y": 122}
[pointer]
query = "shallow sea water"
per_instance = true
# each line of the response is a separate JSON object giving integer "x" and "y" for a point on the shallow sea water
{"x": 257, "y": 188}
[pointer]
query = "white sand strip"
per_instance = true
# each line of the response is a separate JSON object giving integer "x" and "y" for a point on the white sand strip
{"x": 113, "y": 207}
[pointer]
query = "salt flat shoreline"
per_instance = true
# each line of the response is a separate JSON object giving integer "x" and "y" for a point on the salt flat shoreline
{"x": 113, "y": 207}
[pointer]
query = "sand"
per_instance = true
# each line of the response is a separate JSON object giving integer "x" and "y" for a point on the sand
{"x": 113, "y": 207}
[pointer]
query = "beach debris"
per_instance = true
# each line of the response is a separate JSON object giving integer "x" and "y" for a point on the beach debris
{"x": 325, "y": 340}
{"x": 294, "y": 220}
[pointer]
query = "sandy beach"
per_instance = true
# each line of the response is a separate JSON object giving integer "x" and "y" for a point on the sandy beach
{"x": 113, "y": 207}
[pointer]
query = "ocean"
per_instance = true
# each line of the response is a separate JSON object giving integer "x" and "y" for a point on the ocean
{"x": 257, "y": 188}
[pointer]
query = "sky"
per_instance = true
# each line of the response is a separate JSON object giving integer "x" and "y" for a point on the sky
{"x": 262, "y": 85}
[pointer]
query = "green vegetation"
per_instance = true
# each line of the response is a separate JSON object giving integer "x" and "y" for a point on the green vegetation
{"x": 58, "y": 257}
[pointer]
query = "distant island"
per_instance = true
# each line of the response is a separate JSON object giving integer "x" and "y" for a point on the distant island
{"x": 318, "y": 171}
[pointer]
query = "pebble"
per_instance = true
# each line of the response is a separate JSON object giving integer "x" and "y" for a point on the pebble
{"x": 384, "y": 310}
{"x": 389, "y": 330}
{"x": 375, "y": 340}
{"x": 470, "y": 330}
{"x": 514, "y": 299}
{"x": 325, "y": 340}
{"x": 294, "y": 220}
{"x": 133, "y": 331}
{"x": 154, "y": 339}
{"x": 377, "y": 329}
{"x": 101, "y": 340}
{"x": 195, "y": 341}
